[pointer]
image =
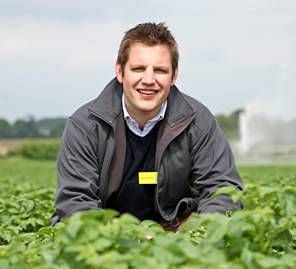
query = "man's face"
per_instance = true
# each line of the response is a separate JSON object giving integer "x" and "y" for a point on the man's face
{"x": 146, "y": 79}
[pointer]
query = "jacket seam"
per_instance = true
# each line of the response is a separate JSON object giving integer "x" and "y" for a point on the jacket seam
{"x": 87, "y": 131}
{"x": 201, "y": 130}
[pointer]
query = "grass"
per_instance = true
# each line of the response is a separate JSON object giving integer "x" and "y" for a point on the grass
{"x": 26, "y": 174}
{"x": 263, "y": 174}
{"x": 42, "y": 173}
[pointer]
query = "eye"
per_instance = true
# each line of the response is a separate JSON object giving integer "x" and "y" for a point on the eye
{"x": 160, "y": 70}
{"x": 138, "y": 69}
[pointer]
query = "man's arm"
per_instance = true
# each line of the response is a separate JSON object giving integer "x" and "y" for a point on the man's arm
{"x": 214, "y": 167}
{"x": 77, "y": 171}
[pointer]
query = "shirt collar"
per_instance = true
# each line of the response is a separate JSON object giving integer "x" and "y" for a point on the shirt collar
{"x": 158, "y": 117}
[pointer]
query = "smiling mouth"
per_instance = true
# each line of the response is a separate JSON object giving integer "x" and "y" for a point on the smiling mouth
{"x": 147, "y": 91}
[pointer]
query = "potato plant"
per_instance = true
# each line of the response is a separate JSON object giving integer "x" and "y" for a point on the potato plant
{"x": 263, "y": 235}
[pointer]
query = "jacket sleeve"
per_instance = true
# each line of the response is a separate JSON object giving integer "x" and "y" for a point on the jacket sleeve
{"x": 214, "y": 167}
{"x": 77, "y": 172}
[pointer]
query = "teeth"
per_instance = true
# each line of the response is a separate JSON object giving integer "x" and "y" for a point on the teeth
{"x": 147, "y": 92}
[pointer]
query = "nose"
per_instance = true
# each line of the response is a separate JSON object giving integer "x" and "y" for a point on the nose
{"x": 148, "y": 76}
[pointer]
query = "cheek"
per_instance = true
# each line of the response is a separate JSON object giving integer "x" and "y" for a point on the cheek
{"x": 132, "y": 78}
{"x": 129, "y": 84}
{"x": 166, "y": 82}
{"x": 166, "y": 88}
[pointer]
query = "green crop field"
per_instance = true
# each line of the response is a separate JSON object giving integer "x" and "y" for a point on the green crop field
{"x": 263, "y": 235}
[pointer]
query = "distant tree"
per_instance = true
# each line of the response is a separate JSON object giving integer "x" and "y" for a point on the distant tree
{"x": 57, "y": 131}
{"x": 30, "y": 128}
{"x": 230, "y": 124}
{"x": 5, "y": 129}
{"x": 52, "y": 127}
{"x": 25, "y": 128}
{"x": 236, "y": 113}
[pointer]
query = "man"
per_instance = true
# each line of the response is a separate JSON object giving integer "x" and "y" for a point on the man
{"x": 142, "y": 146}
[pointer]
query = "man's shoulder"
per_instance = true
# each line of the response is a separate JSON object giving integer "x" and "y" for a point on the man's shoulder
{"x": 82, "y": 113}
{"x": 82, "y": 116}
{"x": 102, "y": 105}
{"x": 202, "y": 116}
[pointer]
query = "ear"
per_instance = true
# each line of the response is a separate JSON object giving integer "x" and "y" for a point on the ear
{"x": 175, "y": 77}
{"x": 119, "y": 73}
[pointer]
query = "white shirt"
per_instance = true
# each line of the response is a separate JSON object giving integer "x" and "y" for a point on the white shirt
{"x": 134, "y": 126}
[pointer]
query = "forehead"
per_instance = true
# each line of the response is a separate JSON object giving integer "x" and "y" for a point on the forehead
{"x": 155, "y": 54}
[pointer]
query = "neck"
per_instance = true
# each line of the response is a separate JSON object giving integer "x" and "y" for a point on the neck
{"x": 142, "y": 118}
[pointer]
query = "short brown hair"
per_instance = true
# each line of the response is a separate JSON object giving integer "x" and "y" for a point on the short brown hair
{"x": 149, "y": 34}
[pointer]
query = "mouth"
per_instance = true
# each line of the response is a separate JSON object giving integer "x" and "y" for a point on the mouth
{"x": 147, "y": 92}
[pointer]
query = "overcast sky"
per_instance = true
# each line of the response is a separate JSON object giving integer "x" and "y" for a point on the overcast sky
{"x": 57, "y": 55}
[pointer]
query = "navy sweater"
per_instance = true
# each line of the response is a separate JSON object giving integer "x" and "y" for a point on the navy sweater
{"x": 132, "y": 197}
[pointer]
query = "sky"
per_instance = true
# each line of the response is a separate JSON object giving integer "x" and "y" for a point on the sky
{"x": 57, "y": 55}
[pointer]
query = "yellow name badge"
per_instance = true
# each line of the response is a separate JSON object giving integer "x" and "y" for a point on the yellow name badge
{"x": 148, "y": 177}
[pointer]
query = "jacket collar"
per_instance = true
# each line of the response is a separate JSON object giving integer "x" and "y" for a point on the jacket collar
{"x": 178, "y": 108}
{"x": 107, "y": 105}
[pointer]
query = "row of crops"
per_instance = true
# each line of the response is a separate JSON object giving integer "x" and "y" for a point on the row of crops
{"x": 263, "y": 235}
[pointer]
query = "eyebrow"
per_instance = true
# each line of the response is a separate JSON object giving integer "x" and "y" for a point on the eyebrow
{"x": 166, "y": 68}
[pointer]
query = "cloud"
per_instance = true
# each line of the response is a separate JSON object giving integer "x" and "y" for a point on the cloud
{"x": 230, "y": 50}
{"x": 75, "y": 45}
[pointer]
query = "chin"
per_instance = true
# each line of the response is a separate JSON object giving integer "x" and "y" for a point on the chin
{"x": 146, "y": 110}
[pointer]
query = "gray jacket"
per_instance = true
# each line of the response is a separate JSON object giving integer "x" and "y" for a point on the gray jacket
{"x": 193, "y": 158}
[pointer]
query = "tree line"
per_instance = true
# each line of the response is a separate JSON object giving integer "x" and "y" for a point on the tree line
{"x": 29, "y": 127}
